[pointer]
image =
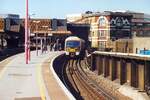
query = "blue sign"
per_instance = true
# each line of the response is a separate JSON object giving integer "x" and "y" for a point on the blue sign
{"x": 145, "y": 52}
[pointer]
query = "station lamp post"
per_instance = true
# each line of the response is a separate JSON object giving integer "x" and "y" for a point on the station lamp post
{"x": 26, "y": 35}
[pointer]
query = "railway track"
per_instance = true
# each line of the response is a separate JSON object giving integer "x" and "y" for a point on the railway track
{"x": 79, "y": 84}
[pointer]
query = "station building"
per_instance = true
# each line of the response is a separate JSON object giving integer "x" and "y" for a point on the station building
{"x": 47, "y": 31}
{"x": 12, "y": 31}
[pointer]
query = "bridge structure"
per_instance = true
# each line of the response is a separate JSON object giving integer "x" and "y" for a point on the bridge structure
{"x": 126, "y": 68}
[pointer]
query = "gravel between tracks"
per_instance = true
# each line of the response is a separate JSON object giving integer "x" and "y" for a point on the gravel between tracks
{"x": 107, "y": 85}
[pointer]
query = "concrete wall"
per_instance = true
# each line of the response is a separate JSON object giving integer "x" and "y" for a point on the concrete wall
{"x": 140, "y": 43}
{"x": 124, "y": 45}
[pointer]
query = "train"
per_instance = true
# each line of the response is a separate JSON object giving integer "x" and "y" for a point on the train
{"x": 74, "y": 46}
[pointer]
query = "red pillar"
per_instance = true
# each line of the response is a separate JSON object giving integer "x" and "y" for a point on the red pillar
{"x": 26, "y": 35}
{"x": 29, "y": 53}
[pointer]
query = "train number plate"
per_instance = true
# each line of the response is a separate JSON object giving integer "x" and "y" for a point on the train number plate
{"x": 72, "y": 50}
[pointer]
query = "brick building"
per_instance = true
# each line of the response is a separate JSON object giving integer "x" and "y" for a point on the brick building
{"x": 114, "y": 31}
{"x": 106, "y": 27}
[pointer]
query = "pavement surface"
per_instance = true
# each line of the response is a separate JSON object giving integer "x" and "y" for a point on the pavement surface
{"x": 20, "y": 81}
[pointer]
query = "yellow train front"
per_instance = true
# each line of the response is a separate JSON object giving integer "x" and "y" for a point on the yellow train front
{"x": 74, "y": 46}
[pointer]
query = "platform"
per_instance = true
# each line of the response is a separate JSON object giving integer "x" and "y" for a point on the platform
{"x": 33, "y": 81}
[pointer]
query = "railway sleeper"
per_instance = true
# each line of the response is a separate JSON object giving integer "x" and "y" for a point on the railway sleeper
{"x": 92, "y": 91}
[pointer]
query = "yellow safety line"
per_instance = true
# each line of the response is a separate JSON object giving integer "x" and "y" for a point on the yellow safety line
{"x": 9, "y": 60}
{"x": 40, "y": 83}
{"x": 4, "y": 69}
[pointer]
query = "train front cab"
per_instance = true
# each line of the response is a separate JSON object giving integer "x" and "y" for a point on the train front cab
{"x": 72, "y": 48}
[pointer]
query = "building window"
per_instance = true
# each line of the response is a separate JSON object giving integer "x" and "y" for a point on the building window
{"x": 102, "y": 21}
{"x": 102, "y": 33}
{"x": 102, "y": 45}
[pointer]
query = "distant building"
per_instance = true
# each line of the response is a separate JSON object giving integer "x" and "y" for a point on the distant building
{"x": 11, "y": 22}
{"x": 11, "y": 16}
{"x": 107, "y": 27}
{"x": 9, "y": 30}
{"x": 2, "y": 25}
{"x": 51, "y": 26}
{"x": 50, "y": 30}
{"x": 140, "y": 24}
{"x": 59, "y": 24}
{"x": 73, "y": 17}
{"x": 140, "y": 31}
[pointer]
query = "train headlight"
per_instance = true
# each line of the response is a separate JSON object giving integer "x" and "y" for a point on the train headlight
{"x": 67, "y": 53}
{"x": 77, "y": 53}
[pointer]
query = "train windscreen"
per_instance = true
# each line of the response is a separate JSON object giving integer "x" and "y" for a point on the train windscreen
{"x": 72, "y": 44}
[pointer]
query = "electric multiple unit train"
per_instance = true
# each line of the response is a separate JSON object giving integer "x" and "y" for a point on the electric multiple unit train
{"x": 74, "y": 46}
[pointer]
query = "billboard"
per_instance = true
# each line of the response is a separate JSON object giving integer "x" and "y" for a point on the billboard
{"x": 120, "y": 26}
{"x": 120, "y": 22}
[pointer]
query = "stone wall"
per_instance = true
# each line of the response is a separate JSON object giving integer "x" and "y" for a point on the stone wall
{"x": 140, "y": 43}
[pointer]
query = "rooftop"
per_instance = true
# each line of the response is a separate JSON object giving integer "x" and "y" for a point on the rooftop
{"x": 12, "y": 16}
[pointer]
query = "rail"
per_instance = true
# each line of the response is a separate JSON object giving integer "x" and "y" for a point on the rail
{"x": 87, "y": 88}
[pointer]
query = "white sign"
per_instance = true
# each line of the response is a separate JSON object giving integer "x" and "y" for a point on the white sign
{"x": 120, "y": 21}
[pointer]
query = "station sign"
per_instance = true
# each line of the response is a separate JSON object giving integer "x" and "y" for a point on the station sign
{"x": 120, "y": 22}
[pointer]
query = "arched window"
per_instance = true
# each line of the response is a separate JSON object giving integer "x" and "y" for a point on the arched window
{"x": 102, "y": 21}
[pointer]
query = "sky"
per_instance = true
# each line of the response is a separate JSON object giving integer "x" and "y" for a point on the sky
{"x": 61, "y": 8}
